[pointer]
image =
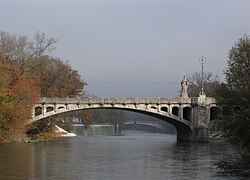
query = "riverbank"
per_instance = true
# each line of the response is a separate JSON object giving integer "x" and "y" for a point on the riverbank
{"x": 62, "y": 133}
{"x": 47, "y": 136}
{"x": 216, "y": 136}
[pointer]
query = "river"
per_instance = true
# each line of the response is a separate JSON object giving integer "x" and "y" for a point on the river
{"x": 134, "y": 156}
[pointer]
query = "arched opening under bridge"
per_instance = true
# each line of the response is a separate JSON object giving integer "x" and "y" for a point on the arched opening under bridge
{"x": 180, "y": 125}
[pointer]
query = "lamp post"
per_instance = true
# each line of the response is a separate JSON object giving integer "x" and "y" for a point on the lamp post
{"x": 202, "y": 61}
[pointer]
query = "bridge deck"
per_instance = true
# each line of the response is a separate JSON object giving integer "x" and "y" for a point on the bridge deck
{"x": 115, "y": 100}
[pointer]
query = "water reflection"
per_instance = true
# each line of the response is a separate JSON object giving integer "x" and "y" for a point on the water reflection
{"x": 133, "y": 156}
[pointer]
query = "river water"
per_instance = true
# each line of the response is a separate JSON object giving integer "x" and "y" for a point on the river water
{"x": 134, "y": 156}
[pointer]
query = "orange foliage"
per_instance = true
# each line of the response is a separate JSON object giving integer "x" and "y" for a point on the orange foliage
{"x": 17, "y": 95}
{"x": 58, "y": 79}
{"x": 25, "y": 73}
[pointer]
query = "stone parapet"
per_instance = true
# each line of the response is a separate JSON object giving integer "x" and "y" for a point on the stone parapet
{"x": 178, "y": 100}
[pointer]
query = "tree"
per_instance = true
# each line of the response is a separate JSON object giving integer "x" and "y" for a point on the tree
{"x": 17, "y": 95}
{"x": 58, "y": 78}
{"x": 210, "y": 83}
{"x": 53, "y": 76}
{"x": 234, "y": 98}
{"x": 86, "y": 118}
{"x": 19, "y": 49}
{"x": 234, "y": 95}
{"x": 108, "y": 116}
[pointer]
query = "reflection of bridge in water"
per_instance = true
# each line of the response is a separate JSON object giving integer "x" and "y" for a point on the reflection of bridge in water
{"x": 190, "y": 116}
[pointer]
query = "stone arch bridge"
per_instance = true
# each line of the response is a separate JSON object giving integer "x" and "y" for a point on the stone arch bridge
{"x": 146, "y": 125}
{"x": 190, "y": 116}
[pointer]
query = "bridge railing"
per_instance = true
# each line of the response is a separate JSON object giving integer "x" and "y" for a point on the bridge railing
{"x": 113, "y": 100}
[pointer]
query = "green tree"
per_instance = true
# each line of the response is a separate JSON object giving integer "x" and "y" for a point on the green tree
{"x": 234, "y": 98}
{"x": 234, "y": 95}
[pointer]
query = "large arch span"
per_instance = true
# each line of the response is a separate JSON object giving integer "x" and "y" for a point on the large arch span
{"x": 176, "y": 111}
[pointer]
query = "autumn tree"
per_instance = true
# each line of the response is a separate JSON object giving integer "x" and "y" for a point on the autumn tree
{"x": 57, "y": 78}
{"x": 210, "y": 83}
{"x": 17, "y": 95}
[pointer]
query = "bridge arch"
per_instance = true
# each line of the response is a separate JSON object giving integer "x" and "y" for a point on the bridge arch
{"x": 38, "y": 110}
{"x": 61, "y": 107}
{"x": 176, "y": 111}
{"x": 187, "y": 113}
{"x": 164, "y": 109}
{"x": 214, "y": 113}
{"x": 183, "y": 127}
{"x": 50, "y": 111}
{"x": 155, "y": 125}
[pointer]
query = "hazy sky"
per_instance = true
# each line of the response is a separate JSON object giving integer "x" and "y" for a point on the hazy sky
{"x": 134, "y": 48}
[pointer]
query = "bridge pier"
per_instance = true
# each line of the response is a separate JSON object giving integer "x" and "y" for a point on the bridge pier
{"x": 200, "y": 119}
{"x": 184, "y": 134}
{"x": 198, "y": 134}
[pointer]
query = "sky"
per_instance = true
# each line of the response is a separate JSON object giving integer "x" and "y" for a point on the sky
{"x": 134, "y": 48}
